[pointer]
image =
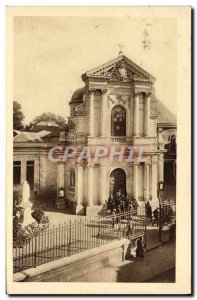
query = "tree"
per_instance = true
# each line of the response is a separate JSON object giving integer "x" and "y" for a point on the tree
{"x": 28, "y": 127}
{"x": 17, "y": 116}
{"x": 49, "y": 117}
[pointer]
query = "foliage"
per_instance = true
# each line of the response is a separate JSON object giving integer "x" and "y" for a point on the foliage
{"x": 17, "y": 116}
{"x": 21, "y": 233}
{"x": 16, "y": 203}
{"x": 28, "y": 127}
{"x": 24, "y": 234}
{"x": 48, "y": 117}
{"x": 38, "y": 215}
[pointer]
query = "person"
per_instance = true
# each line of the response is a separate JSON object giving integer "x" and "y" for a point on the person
{"x": 169, "y": 214}
{"x": 140, "y": 249}
{"x": 156, "y": 217}
{"x": 118, "y": 209}
{"x": 126, "y": 202}
{"x": 128, "y": 255}
{"x": 149, "y": 211}
{"x": 129, "y": 229}
{"x": 110, "y": 203}
{"x": 113, "y": 206}
{"x": 124, "y": 198}
{"x": 122, "y": 206}
{"x": 118, "y": 197}
{"x": 129, "y": 205}
{"x": 135, "y": 204}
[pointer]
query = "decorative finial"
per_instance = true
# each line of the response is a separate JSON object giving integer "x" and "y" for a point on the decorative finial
{"x": 121, "y": 46}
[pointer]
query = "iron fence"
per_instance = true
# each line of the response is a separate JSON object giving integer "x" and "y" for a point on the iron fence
{"x": 75, "y": 236}
{"x": 167, "y": 215}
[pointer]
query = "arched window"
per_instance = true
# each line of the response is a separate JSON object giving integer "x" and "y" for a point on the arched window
{"x": 72, "y": 177}
{"x": 118, "y": 121}
{"x": 173, "y": 144}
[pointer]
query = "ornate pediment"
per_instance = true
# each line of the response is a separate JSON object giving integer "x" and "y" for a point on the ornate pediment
{"x": 119, "y": 69}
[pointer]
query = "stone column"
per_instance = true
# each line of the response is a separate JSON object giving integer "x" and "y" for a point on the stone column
{"x": 129, "y": 180}
{"x": 37, "y": 176}
{"x": 91, "y": 112}
{"x": 136, "y": 114}
{"x": 103, "y": 183}
{"x": 79, "y": 190}
{"x": 90, "y": 184}
{"x": 103, "y": 111}
{"x": 43, "y": 173}
{"x": 155, "y": 201}
{"x": 161, "y": 168}
{"x": 136, "y": 180}
{"x": 60, "y": 175}
{"x": 147, "y": 110}
{"x": 147, "y": 181}
{"x": 23, "y": 171}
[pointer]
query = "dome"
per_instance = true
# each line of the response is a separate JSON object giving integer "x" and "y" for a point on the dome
{"x": 77, "y": 96}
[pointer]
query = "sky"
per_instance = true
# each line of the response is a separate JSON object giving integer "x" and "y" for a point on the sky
{"x": 51, "y": 54}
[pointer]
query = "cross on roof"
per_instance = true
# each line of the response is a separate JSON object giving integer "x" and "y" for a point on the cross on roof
{"x": 121, "y": 46}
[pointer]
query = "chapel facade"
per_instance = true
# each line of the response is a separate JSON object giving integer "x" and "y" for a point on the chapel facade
{"x": 116, "y": 107}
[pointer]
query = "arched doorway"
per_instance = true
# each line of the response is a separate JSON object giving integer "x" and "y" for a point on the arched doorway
{"x": 118, "y": 121}
{"x": 117, "y": 182}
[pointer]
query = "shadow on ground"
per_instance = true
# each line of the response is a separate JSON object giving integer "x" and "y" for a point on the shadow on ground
{"x": 158, "y": 265}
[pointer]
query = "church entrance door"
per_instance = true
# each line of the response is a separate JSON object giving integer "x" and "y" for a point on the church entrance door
{"x": 117, "y": 182}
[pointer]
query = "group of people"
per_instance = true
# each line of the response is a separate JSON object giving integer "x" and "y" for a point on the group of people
{"x": 154, "y": 216}
{"x": 150, "y": 214}
{"x": 119, "y": 203}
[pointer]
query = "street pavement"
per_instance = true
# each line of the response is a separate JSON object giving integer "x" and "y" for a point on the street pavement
{"x": 158, "y": 265}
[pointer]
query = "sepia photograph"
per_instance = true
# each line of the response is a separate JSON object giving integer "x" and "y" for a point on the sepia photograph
{"x": 95, "y": 191}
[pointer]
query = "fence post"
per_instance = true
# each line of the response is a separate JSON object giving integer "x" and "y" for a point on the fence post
{"x": 97, "y": 236}
{"x": 145, "y": 228}
{"x": 69, "y": 244}
{"x": 35, "y": 251}
{"x": 122, "y": 252}
{"x": 160, "y": 223}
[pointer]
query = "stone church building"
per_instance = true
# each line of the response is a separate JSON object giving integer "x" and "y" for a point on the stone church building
{"x": 117, "y": 108}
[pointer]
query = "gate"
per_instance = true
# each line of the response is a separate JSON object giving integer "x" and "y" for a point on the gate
{"x": 167, "y": 216}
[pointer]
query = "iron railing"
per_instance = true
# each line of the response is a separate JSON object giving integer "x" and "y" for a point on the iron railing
{"x": 167, "y": 215}
{"x": 75, "y": 236}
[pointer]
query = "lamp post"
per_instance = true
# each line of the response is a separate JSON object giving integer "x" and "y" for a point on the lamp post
{"x": 161, "y": 186}
{"x": 160, "y": 189}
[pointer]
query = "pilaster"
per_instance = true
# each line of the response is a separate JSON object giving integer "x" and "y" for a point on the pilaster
{"x": 147, "y": 116}
{"x": 136, "y": 180}
{"x": 136, "y": 114}
{"x": 103, "y": 111}
{"x": 90, "y": 184}
{"x": 155, "y": 201}
{"x": 91, "y": 112}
